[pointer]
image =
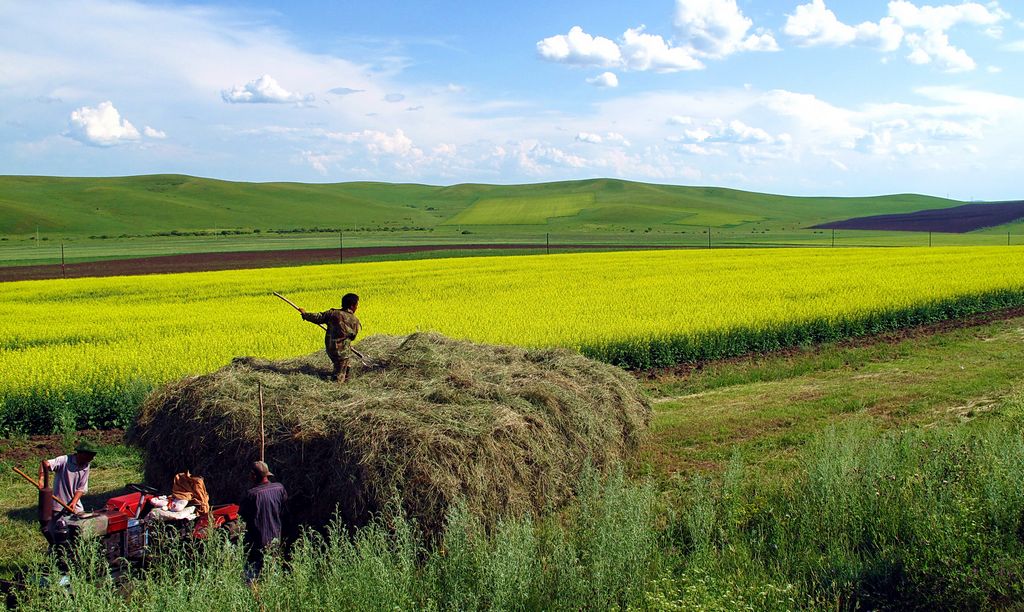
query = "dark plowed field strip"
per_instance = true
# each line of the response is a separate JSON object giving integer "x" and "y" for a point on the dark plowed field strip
{"x": 204, "y": 262}
{"x": 956, "y": 220}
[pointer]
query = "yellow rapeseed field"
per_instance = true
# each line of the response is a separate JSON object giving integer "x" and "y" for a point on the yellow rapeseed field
{"x": 84, "y": 343}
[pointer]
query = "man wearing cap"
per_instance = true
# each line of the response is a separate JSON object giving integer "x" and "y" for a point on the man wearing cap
{"x": 70, "y": 476}
{"x": 262, "y": 510}
{"x": 70, "y": 481}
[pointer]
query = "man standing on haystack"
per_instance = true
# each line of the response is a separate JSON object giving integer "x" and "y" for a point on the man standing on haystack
{"x": 342, "y": 329}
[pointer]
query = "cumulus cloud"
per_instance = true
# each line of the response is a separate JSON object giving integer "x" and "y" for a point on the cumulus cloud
{"x": 922, "y": 28}
{"x": 378, "y": 143}
{"x": 151, "y": 132}
{"x": 734, "y": 131}
{"x": 717, "y": 28}
{"x": 101, "y": 126}
{"x": 611, "y": 138}
{"x": 643, "y": 51}
{"x": 942, "y": 18}
{"x": 579, "y": 48}
{"x": 814, "y": 24}
{"x": 706, "y": 29}
{"x": 264, "y": 90}
{"x": 934, "y": 46}
{"x": 605, "y": 79}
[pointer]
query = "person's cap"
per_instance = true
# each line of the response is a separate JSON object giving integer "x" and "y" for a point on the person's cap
{"x": 261, "y": 468}
{"x": 85, "y": 446}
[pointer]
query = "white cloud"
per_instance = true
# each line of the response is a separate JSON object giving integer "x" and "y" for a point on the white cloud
{"x": 680, "y": 120}
{"x": 941, "y": 129}
{"x": 605, "y": 79}
{"x": 611, "y": 138}
{"x": 378, "y": 143}
{"x": 101, "y": 126}
{"x": 445, "y": 150}
{"x": 717, "y": 28}
{"x": 814, "y": 24}
{"x": 934, "y": 46}
{"x": 738, "y": 132}
{"x": 643, "y": 51}
{"x": 706, "y": 28}
{"x": 615, "y": 137}
{"x": 733, "y": 131}
{"x": 579, "y": 48}
{"x": 151, "y": 132}
{"x": 697, "y": 135}
{"x": 264, "y": 90}
{"x": 942, "y": 18}
{"x": 696, "y": 149}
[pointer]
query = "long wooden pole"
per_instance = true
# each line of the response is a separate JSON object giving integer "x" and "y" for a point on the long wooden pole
{"x": 38, "y": 488}
{"x": 263, "y": 430}
{"x": 292, "y": 304}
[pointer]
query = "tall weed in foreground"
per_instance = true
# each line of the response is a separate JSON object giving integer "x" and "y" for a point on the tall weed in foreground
{"x": 921, "y": 519}
{"x": 599, "y": 554}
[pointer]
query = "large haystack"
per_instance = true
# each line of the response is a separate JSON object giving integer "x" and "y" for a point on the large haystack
{"x": 432, "y": 420}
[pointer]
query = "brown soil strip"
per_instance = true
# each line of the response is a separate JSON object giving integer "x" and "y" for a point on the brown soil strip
{"x": 28, "y": 452}
{"x": 238, "y": 260}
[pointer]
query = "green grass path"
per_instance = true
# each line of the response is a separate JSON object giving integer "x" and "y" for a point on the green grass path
{"x": 766, "y": 407}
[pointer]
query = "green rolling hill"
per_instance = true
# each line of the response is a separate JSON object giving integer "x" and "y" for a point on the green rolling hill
{"x": 141, "y": 205}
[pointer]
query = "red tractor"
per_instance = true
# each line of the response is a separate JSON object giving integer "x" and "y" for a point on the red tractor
{"x": 127, "y": 524}
{"x": 125, "y": 528}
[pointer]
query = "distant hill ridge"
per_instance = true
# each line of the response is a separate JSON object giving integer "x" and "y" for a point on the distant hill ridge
{"x": 168, "y": 202}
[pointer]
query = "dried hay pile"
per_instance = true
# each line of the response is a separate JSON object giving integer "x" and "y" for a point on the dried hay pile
{"x": 432, "y": 420}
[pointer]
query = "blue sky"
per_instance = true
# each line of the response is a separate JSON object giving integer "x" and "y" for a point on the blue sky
{"x": 798, "y": 97}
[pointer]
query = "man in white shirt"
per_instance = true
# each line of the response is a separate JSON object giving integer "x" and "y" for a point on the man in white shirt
{"x": 70, "y": 476}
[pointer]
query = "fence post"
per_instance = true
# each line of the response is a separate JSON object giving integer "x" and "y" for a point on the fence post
{"x": 341, "y": 247}
{"x": 63, "y": 268}
{"x": 547, "y": 244}
{"x": 833, "y": 237}
{"x": 929, "y": 239}
{"x": 709, "y": 236}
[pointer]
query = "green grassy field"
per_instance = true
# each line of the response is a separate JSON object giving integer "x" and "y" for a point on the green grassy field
{"x": 163, "y": 203}
{"x": 139, "y": 216}
{"x": 835, "y": 476}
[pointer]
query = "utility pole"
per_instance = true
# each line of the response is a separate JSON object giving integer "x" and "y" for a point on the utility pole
{"x": 929, "y": 239}
{"x": 709, "y": 237}
{"x": 833, "y": 237}
{"x": 63, "y": 269}
{"x": 341, "y": 247}
{"x": 547, "y": 244}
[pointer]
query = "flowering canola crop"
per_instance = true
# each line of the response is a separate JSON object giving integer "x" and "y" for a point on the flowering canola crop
{"x": 83, "y": 352}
